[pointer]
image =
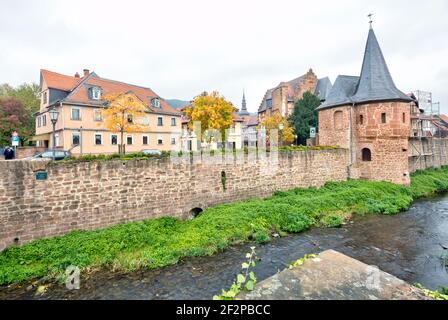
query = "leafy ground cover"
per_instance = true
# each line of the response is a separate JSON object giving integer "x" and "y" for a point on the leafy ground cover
{"x": 160, "y": 242}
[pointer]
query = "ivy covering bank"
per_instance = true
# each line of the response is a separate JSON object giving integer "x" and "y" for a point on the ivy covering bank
{"x": 160, "y": 242}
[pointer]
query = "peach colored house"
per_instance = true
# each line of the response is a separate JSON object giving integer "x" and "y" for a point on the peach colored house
{"x": 80, "y": 126}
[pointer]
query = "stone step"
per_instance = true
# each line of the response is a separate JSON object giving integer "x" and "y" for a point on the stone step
{"x": 333, "y": 276}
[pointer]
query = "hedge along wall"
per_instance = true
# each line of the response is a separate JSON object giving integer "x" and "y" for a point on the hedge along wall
{"x": 91, "y": 195}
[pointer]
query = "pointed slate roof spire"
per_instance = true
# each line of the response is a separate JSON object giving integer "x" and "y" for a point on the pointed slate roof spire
{"x": 243, "y": 111}
{"x": 244, "y": 102}
{"x": 375, "y": 82}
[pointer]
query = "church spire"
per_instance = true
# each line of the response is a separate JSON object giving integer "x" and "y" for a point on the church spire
{"x": 243, "y": 104}
{"x": 244, "y": 111}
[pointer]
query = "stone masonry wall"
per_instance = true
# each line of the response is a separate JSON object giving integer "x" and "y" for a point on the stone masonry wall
{"x": 94, "y": 195}
{"x": 331, "y": 133}
{"x": 427, "y": 153}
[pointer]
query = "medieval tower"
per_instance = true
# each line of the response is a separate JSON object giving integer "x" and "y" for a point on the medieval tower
{"x": 369, "y": 116}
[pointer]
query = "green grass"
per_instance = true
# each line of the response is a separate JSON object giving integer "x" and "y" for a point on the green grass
{"x": 160, "y": 242}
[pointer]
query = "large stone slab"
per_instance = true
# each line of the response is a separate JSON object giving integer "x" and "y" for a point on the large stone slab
{"x": 333, "y": 276}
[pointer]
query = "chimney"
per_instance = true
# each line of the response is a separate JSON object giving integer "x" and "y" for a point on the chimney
{"x": 86, "y": 72}
{"x": 77, "y": 75}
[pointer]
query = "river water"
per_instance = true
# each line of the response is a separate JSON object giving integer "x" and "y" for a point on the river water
{"x": 408, "y": 245}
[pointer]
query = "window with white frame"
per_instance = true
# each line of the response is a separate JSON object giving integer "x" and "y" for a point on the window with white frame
{"x": 96, "y": 93}
{"x": 155, "y": 102}
{"x": 160, "y": 140}
{"x": 44, "y": 120}
{"x": 45, "y": 97}
{"x": 75, "y": 113}
{"x": 97, "y": 115}
{"x": 129, "y": 140}
{"x": 173, "y": 122}
{"x": 145, "y": 140}
{"x": 98, "y": 139}
{"x": 160, "y": 121}
{"x": 113, "y": 139}
{"x": 173, "y": 140}
{"x": 39, "y": 122}
{"x": 76, "y": 138}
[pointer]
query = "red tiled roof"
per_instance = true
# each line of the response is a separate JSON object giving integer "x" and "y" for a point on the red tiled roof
{"x": 79, "y": 90}
{"x": 444, "y": 118}
{"x": 59, "y": 81}
{"x": 237, "y": 118}
{"x": 251, "y": 120}
{"x": 440, "y": 125}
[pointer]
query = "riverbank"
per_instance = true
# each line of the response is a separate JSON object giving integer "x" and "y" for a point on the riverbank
{"x": 161, "y": 242}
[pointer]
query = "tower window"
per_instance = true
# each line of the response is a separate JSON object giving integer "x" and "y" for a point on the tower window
{"x": 338, "y": 120}
{"x": 383, "y": 118}
{"x": 366, "y": 154}
{"x": 361, "y": 119}
{"x": 404, "y": 117}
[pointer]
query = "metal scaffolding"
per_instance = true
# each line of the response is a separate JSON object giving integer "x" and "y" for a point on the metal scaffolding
{"x": 428, "y": 145}
{"x": 426, "y": 103}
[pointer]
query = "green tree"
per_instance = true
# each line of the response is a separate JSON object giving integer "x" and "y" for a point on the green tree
{"x": 13, "y": 117}
{"x": 28, "y": 94}
{"x": 304, "y": 116}
{"x": 4, "y": 89}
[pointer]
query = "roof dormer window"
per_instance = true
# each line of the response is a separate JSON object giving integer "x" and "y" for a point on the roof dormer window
{"x": 155, "y": 102}
{"x": 95, "y": 93}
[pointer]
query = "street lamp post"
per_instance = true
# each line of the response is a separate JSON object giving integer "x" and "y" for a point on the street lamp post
{"x": 296, "y": 137}
{"x": 80, "y": 141}
{"x": 281, "y": 126}
{"x": 54, "y": 118}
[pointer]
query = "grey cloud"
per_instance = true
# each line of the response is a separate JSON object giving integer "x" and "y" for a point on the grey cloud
{"x": 180, "y": 48}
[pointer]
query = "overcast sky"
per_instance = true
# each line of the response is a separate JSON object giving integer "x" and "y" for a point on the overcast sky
{"x": 180, "y": 48}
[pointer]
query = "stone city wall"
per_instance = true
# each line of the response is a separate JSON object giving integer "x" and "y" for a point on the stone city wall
{"x": 91, "y": 195}
{"x": 427, "y": 153}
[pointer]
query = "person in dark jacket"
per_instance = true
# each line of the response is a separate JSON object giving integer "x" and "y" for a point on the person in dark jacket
{"x": 9, "y": 153}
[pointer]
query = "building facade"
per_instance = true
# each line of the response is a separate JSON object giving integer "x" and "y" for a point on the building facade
{"x": 372, "y": 118}
{"x": 282, "y": 98}
{"x": 81, "y": 128}
{"x": 234, "y": 139}
{"x": 248, "y": 125}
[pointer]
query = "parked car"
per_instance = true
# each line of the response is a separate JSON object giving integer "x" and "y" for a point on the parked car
{"x": 48, "y": 155}
{"x": 152, "y": 152}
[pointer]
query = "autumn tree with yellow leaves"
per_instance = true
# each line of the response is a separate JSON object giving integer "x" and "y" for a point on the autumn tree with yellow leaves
{"x": 273, "y": 122}
{"x": 121, "y": 113}
{"x": 214, "y": 113}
